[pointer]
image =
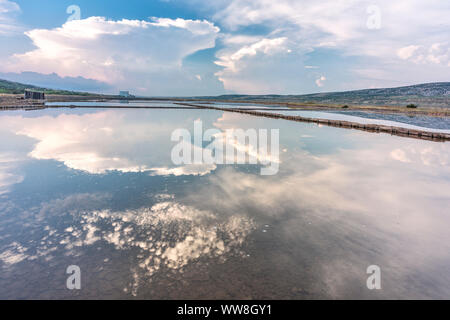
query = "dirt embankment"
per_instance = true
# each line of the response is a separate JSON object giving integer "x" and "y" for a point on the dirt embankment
{"x": 17, "y": 101}
{"x": 427, "y": 111}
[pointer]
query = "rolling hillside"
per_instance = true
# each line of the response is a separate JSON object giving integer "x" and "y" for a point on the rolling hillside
{"x": 19, "y": 88}
{"x": 425, "y": 95}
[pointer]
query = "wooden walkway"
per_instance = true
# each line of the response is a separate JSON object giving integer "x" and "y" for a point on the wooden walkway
{"x": 398, "y": 131}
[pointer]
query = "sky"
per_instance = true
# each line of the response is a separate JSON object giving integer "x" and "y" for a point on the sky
{"x": 204, "y": 47}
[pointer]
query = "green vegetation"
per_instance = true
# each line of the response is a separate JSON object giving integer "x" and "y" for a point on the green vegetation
{"x": 19, "y": 88}
{"x": 411, "y": 106}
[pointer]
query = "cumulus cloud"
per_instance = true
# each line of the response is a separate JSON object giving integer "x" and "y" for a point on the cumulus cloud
{"x": 409, "y": 46}
{"x": 235, "y": 60}
{"x": 120, "y": 53}
{"x": 437, "y": 53}
{"x": 259, "y": 65}
{"x": 341, "y": 26}
{"x": 265, "y": 46}
{"x": 342, "y": 23}
{"x": 407, "y": 52}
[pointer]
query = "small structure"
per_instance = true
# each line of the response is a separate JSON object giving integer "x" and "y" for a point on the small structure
{"x": 35, "y": 95}
{"x": 125, "y": 94}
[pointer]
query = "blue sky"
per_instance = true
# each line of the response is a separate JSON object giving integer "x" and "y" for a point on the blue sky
{"x": 199, "y": 47}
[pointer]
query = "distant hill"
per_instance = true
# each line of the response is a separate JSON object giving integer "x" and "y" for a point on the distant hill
{"x": 421, "y": 90}
{"x": 423, "y": 95}
{"x": 19, "y": 88}
{"x": 14, "y": 87}
{"x": 426, "y": 95}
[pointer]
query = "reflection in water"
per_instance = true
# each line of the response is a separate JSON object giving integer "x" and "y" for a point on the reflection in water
{"x": 103, "y": 141}
{"x": 427, "y": 123}
{"x": 167, "y": 236}
{"x": 97, "y": 189}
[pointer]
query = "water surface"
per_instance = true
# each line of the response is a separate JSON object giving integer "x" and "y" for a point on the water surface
{"x": 96, "y": 188}
{"x": 419, "y": 122}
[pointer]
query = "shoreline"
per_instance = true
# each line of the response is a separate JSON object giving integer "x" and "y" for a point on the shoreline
{"x": 11, "y": 101}
{"x": 183, "y": 103}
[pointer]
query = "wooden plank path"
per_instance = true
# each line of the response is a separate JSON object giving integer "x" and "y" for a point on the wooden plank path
{"x": 398, "y": 131}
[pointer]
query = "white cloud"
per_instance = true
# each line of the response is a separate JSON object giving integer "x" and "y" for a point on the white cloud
{"x": 254, "y": 67}
{"x": 311, "y": 15}
{"x": 320, "y": 81}
{"x": 407, "y": 52}
{"x": 265, "y": 46}
{"x": 195, "y": 26}
{"x": 343, "y": 23}
{"x": 413, "y": 36}
{"x": 8, "y": 9}
{"x": 240, "y": 39}
{"x": 341, "y": 26}
{"x": 124, "y": 53}
{"x": 437, "y": 53}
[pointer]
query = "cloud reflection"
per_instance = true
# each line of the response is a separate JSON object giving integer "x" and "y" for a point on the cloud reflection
{"x": 125, "y": 141}
{"x": 351, "y": 209}
{"x": 167, "y": 236}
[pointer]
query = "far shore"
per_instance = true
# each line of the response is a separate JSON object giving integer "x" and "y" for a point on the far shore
{"x": 16, "y": 101}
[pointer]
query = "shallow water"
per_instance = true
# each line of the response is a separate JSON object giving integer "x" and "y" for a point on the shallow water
{"x": 434, "y": 124}
{"x": 438, "y": 124}
{"x": 96, "y": 188}
{"x": 117, "y": 103}
{"x": 418, "y": 120}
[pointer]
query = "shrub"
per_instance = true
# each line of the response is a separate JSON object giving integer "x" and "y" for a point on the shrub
{"x": 411, "y": 106}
